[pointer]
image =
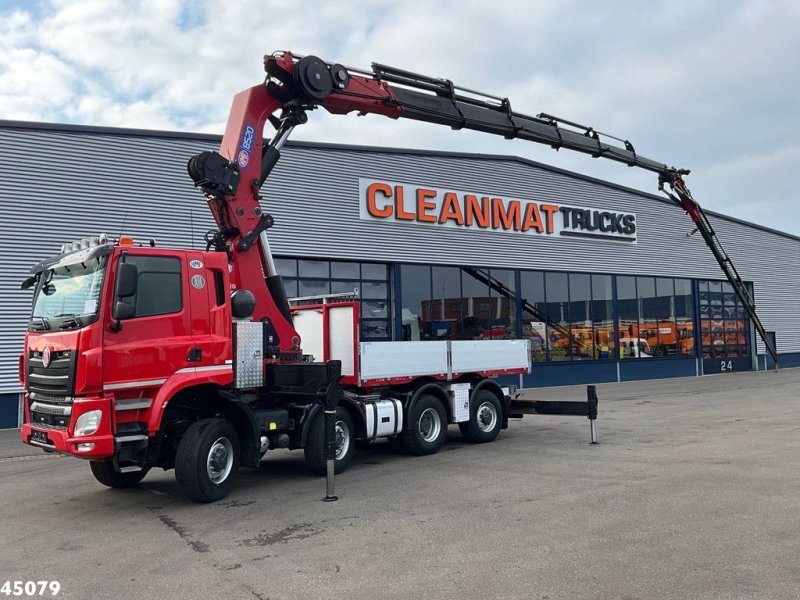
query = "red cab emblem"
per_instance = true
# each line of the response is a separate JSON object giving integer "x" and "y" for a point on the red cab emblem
{"x": 46, "y": 356}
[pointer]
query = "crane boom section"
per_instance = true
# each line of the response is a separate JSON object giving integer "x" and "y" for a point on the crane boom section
{"x": 296, "y": 84}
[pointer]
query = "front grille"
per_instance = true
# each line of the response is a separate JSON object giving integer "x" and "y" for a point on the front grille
{"x": 57, "y": 379}
{"x": 48, "y": 399}
{"x": 46, "y": 421}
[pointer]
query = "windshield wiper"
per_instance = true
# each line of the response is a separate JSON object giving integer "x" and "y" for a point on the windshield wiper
{"x": 42, "y": 325}
{"x": 70, "y": 320}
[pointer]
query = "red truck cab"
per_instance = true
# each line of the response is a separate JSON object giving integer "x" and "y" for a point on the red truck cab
{"x": 97, "y": 365}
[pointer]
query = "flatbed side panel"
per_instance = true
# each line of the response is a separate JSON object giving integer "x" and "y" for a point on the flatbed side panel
{"x": 489, "y": 355}
{"x": 391, "y": 360}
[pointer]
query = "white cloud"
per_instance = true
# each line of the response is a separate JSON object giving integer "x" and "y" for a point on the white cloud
{"x": 710, "y": 85}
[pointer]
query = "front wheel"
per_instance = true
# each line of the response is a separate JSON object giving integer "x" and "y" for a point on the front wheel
{"x": 485, "y": 418}
{"x": 207, "y": 460}
{"x": 315, "y": 443}
{"x": 105, "y": 473}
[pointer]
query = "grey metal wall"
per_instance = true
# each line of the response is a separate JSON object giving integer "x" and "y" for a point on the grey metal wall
{"x": 61, "y": 184}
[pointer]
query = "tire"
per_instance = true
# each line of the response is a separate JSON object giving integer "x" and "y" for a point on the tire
{"x": 105, "y": 473}
{"x": 345, "y": 442}
{"x": 427, "y": 427}
{"x": 485, "y": 418}
{"x": 207, "y": 460}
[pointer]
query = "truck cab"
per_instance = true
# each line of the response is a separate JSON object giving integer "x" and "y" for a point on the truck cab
{"x": 111, "y": 324}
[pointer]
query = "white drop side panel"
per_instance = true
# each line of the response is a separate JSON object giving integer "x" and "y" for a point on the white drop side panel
{"x": 489, "y": 355}
{"x": 342, "y": 343}
{"x": 388, "y": 360}
{"x": 308, "y": 324}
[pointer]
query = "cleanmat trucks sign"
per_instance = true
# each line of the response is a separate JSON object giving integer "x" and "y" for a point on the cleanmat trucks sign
{"x": 436, "y": 207}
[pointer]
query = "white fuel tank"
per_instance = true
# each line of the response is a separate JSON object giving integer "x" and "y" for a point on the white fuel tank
{"x": 384, "y": 418}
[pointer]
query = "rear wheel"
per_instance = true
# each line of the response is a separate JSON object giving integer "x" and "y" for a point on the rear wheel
{"x": 485, "y": 418}
{"x": 207, "y": 460}
{"x": 105, "y": 473}
{"x": 345, "y": 442}
{"x": 427, "y": 427}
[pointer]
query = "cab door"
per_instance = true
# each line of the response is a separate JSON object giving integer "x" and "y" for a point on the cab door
{"x": 157, "y": 340}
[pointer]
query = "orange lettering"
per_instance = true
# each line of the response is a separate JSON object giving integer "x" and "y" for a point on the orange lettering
{"x": 480, "y": 212}
{"x": 507, "y": 217}
{"x": 423, "y": 206}
{"x": 398, "y": 205}
{"x": 532, "y": 218}
{"x": 549, "y": 210}
{"x": 451, "y": 209}
{"x": 372, "y": 207}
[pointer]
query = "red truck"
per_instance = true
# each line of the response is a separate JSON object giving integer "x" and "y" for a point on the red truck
{"x": 138, "y": 356}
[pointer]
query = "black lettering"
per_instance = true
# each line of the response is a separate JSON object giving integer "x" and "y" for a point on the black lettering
{"x": 604, "y": 216}
{"x": 593, "y": 222}
{"x": 578, "y": 217}
{"x": 615, "y": 223}
{"x": 629, "y": 222}
{"x": 565, "y": 210}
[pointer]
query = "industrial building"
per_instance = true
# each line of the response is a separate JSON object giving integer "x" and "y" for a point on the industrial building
{"x": 602, "y": 279}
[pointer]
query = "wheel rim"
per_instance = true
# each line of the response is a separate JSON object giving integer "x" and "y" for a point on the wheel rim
{"x": 220, "y": 460}
{"x": 430, "y": 424}
{"x": 342, "y": 439}
{"x": 486, "y": 417}
{"x": 342, "y": 432}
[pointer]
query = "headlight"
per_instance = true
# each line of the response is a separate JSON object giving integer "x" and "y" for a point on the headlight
{"x": 88, "y": 422}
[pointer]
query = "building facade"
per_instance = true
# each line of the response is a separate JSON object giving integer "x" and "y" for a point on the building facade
{"x": 603, "y": 280}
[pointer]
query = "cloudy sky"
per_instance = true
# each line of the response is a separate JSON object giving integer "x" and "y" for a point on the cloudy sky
{"x": 709, "y": 85}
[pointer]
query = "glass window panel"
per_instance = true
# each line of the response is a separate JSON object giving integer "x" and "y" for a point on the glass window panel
{"x": 373, "y": 271}
{"x": 314, "y": 268}
{"x": 628, "y": 309}
{"x": 446, "y": 290}
{"x": 341, "y": 287}
{"x": 415, "y": 297}
{"x": 345, "y": 270}
{"x": 371, "y": 330}
{"x": 371, "y": 289}
{"x": 502, "y": 290}
{"x": 724, "y": 328}
{"x": 603, "y": 316}
{"x": 476, "y": 311}
{"x": 557, "y": 311}
{"x": 626, "y": 288}
{"x": 374, "y": 310}
{"x": 286, "y": 267}
{"x": 290, "y": 286}
{"x": 684, "y": 319}
{"x": 645, "y": 341}
{"x": 581, "y": 330}
{"x": 309, "y": 287}
{"x": 159, "y": 290}
{"x": 533, "y": 316}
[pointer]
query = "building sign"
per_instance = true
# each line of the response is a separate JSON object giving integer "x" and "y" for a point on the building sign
{"x": 406, "y": 203}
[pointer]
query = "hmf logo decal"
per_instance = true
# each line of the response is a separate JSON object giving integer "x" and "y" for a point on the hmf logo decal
{"x": 402, "y": 202}
{"x": 246, "y": 147}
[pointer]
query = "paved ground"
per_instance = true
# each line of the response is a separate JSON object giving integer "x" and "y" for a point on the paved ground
{"x": 693, "y": 492}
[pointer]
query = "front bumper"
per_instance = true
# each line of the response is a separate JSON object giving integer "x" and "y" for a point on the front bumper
{"x": 97, "y": 446}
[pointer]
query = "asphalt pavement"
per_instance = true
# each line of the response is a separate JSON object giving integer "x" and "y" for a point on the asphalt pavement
{"x": 692, "y": 492}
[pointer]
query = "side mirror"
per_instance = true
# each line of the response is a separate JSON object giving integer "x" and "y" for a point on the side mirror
{"x": 29, "y": 282}
{"x": 123, "y": 310}
{"x": 127, "y": 280}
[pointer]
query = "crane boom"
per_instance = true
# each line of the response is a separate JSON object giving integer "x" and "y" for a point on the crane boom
{"x": 297, "y": 84}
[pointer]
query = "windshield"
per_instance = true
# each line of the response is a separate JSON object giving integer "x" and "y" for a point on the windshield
{"x": 68, "y": 296}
